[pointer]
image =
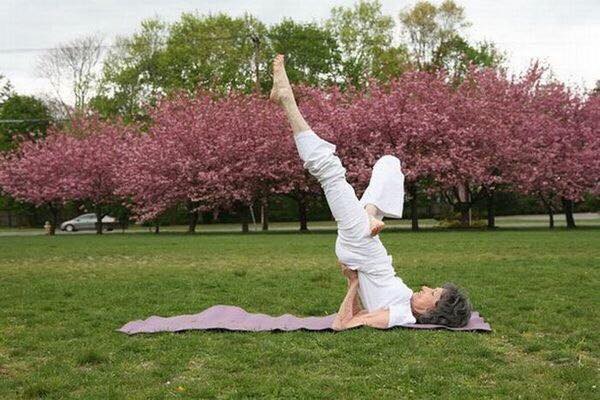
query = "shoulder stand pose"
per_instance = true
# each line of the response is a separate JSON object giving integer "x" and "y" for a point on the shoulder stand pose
{"x": 365, "y": 262}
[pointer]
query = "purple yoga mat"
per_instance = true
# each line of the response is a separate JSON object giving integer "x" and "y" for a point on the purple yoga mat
{"x": 237, "y": 319}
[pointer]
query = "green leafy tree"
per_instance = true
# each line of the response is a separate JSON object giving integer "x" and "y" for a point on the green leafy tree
{"x": 364, "y": 35}
{"x": 5, "y": 89}
{"x": 455, "y": 55}
{"x": 390, "y": 62}
{"x": 211, "y": 51}
{"x": 434, "y": 36}
{"x": 312, "y": 53}
{"x": 427, "y": 26}
{"x": 214, "y": 51}
{"x": 22, "y": 116}
{"x": 132, "y": 72}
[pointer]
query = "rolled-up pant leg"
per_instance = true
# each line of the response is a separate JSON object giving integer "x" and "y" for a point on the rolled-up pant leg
{"x": 386, "y": 188}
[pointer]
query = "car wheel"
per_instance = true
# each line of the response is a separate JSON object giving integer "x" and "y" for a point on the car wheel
{"x": 69, "y": 228}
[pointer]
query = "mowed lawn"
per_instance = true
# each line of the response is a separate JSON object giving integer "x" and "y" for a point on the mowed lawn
{"x": 62, "y": 298}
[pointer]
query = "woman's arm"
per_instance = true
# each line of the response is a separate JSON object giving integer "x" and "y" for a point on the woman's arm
{"x": 351, "y": 276}
{"x": 377, "y": 319}
{"x": 345, "y": 313}
{"x": 349, "y": 315}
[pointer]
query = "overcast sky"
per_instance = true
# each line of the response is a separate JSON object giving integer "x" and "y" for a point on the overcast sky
{"x": 563, "y": 33}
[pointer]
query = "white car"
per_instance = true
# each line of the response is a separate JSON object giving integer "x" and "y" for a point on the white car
{"x": 87, "y": 222}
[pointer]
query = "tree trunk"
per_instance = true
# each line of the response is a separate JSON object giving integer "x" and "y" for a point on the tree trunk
{"x": 192, "y": 216}
{"x": 265, "y": 213}
{"x": 568, "y": 207}
{"x": 464, "y": 217}
{"x": 98, "y": 220}
{"x": 550, "y": 218}
{"x": 414, "y": 209}
{"x": 463, "y": 208}
{"x": 491, "y": 217}
{"x": 302, "y": 213}
{"x": 550, "y": 211}
{"x": 54, "y": 213}
{"x": 244, "y": 217}
{"x": 464, "y": 204}
{"x": 157, "y": 227}
{"x": 124, "y": 220}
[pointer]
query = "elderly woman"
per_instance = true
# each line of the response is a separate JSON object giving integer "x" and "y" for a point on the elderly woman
{"x": 365, "y": 262}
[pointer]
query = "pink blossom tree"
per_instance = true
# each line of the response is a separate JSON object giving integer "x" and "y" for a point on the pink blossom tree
{"x": 211, "y": 153}
{"x": 559, "y": 149}
{"x": 175, "y": 161}
{"x": 485, "y": 116}
{"x": 73, "y": 163}
{"x": 95, "y": 159}
{"x": 252, "y": 165}
{"x": 405, "y": 118}
{"x": 41, "y": 173}
{"x": 589, "y": 125}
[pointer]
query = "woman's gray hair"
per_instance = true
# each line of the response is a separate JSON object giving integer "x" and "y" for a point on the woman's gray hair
{"x": 452, "y": 309}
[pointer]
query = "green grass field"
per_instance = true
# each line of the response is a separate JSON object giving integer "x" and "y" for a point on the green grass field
{"x": 61, "y": 299}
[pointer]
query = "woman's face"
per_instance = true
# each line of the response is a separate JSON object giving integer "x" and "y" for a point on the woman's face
{"x": 425, "y": 299}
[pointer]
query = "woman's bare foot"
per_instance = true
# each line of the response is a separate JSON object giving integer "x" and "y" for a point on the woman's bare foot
{"x": 281, "y": 91}
{"x": 376, "y": 225}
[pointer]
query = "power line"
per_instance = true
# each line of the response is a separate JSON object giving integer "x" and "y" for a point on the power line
{"x": 109, "y": 46}
{"x": 39, "y": 49}
{"x": 195, "y": 38}
{"x": 19, "y": 121}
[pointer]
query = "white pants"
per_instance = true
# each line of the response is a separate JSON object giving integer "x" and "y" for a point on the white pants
{"x": 379, "y": 287}
{"x": 385, "y": 191}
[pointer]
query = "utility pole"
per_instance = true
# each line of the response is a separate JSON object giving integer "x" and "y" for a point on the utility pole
{"x": 256, "y": 41}
{"x": 264, "y": 206}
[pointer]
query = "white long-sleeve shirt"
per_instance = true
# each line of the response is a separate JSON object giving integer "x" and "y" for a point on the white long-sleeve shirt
{"x": 379, "y": 287}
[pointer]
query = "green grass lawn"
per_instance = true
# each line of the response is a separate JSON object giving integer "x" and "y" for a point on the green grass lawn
{"x": 61, "y": 299}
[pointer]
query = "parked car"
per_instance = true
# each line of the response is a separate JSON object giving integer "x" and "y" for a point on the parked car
{"x": 87, "y": 222}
